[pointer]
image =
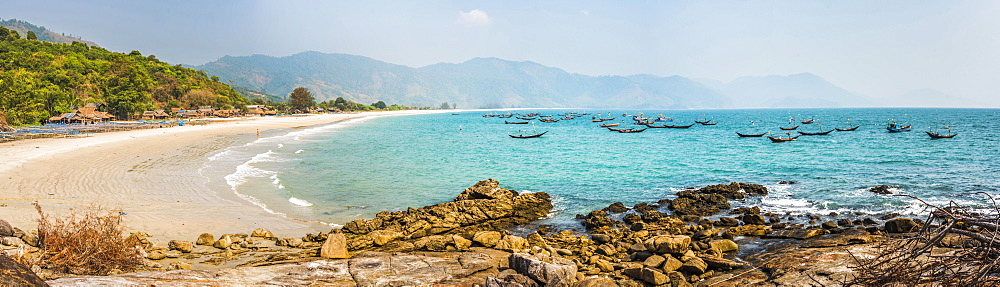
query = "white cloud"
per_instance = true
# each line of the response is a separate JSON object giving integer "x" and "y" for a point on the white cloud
{"x": 585, "y": 12}
{"x": 475, "y": 17}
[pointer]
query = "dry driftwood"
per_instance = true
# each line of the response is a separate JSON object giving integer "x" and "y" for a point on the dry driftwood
{"x": 920, "y": 260}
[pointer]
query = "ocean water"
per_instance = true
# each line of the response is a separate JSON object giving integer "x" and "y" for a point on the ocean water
{"x": 355, "y": 169}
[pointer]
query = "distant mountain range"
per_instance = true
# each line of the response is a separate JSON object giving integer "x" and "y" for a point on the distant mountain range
{"x": 41, "y": 32}
{"x": 497, "y": 83}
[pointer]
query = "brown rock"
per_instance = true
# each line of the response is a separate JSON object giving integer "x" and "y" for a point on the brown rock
{"x": 512, "y": 243}
{"x": 260, "y": 232}
{"x": 616, "y": 207}
{"x": 382, "y": 237}
{"x": 694, "y": 266}
{"x": 550, "y": 271}
{"x": 668, "y": 244}
{"x": 6, "y": 229}
{"x": 597, "y": 282}
{"x": 205, "y": 239}
{"x": 724, "y": 245}
{"x": 180, "y": 245}
{"x": 487, "y": 238}
{"x": 900, "y": 225}
{"x": 648, "y": 275}
{"x": 752, "y": 219}
{"x": 719, "y": 263}
{"x": 670, "y": 263}
{"x": 335, "y": 247}
{"x": 224, "y": 241}
{"x": 881, "y": 189}
{"x": 13, "y": 273}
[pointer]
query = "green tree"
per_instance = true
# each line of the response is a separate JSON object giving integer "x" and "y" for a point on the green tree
{"x": 31, "y": 35}
{"x": 445, "y": 106}
{"x": 379, "y": 105}
{"x": 301, "y": 99}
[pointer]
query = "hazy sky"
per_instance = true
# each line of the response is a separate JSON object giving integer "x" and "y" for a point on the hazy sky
{"x": 881, "y": 49}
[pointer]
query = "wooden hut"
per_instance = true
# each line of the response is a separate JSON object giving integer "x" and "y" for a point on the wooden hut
{"x": 155, "y": 115}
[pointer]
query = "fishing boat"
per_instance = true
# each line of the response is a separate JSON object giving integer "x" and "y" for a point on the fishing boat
{"x": 548, "y": 120}
{"x": 941, "y": 135}
{"x": 751, "y": 135}
{"x": 893, "y": 127}
{"x": 609, "y": 125}
{"x": 524, "y": 136}
{"x": 489, "y": 115}
{"x": 847, "y": 129}
{"x": 679, "y": 127}
{"x": 631, "y": 130}
{"x": 616, "y": 130}
{"x": 792, "y": 128}
{"x": 783, "y": 139}
{"x": 662, "y": 118}
{"x": 525, "y": 118}
{"x": 809, "y": 121}
{"x": 516, "y": 123}
{"x": 815, "y": 133}
{"x": 709, "y": 123}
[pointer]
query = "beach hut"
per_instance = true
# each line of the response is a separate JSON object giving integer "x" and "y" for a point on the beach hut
{"x": 155, "y": 115}
{"x": 87, "y": 114}
{"x": 256, "y": 110}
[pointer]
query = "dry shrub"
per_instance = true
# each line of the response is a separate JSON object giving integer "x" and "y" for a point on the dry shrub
{"x": 919, "y": 261}
{"x": 90, "y": 242}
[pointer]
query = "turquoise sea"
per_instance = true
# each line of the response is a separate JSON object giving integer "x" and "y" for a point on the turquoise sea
{"x": 357, "y": 168}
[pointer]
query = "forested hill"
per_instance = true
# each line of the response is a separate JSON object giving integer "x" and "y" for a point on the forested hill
{"x": 41, "y": 32}
{"x": 41, "y": 79}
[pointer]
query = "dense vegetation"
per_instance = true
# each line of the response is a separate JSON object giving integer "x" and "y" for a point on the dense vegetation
{"x": 42, "y": 79}
{"x": 41, "y": 33}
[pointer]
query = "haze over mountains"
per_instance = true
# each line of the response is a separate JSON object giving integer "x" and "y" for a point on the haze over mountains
{"x": 494, "y": 83}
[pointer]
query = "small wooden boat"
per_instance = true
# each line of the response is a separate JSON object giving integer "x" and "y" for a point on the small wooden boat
{"x": 780, "y": 139}
{"x": 656, "y": 126}
{"x": 816, "y": 133}
{"x": 616, "y": 130}
{"x": 568, "y": 118}
{"x": 524, "y": 118}
{"x": 709, "y": 123}
{"x": 935, "y": 136}
{"x": 892, "y": 128}
{"x": 809, "y": 121}
{"x": 548, "y": 120}
{"x": 679, "y": 127}
{"x": 516, "y": 123}
{"x": 489, "y": 115}
{"x": 848, "y": 129}
{"x": 631, "y": 130}
{"x": 703, "y": 122}
{"x": 523, "y": 136}
{"x": 643, "y": 123}
{"x": 609, "y": 125}
{"x": 750, "y": 135}
{"x": 789, "y": 128}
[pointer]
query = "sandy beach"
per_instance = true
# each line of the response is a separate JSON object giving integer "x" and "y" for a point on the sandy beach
{"x": 151, "y": 175}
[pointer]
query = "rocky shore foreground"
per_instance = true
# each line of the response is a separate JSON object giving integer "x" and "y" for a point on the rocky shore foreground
{"x": 693, "y": 239}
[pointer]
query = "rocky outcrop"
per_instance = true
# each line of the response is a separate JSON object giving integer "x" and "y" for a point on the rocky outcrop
{"x": 13, "y": 273}
{"x": 881, "y": 189}
{"x": 483, "y": 207}
{"x": 6, "y": 229}
{"x": 544, "y": 270}
{"x": 711, "y": 199}
{"x": 900, "y": 225}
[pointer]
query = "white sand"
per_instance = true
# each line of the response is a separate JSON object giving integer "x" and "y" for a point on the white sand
{"x": 152, "y": 175}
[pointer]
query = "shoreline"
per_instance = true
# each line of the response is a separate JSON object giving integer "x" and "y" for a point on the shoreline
{"x": 153, "y": 176}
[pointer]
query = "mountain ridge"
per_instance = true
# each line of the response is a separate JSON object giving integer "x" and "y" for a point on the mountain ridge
{"x": 489, "y": 82}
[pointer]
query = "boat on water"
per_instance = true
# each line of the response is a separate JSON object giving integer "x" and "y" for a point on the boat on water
{"x": 935, "y": 136}
{"x": 516, "y": 123}
{"x": 941, "y": 135}
{"x": 792, "y": 128}
{"x": 893, "y": 127}
{"x": 709, "y": 123}
{"x": 528, "y": 136}
{"x": 631, "y": 130}
{"x": 809, "y": 121}
{"x": 783, "y": 139}
{"x": 751, "y": 135}
{"x": 815, "y": 133}
{"x": 548, "y": 120}
{"x": 610, "y": 125}
{"x": 847, "y": 129}
{"x": 678, "y": 127}
{"x": 525, "y": 118}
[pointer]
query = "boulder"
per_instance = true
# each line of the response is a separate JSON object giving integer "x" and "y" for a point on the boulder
{"x": 654, "y": 261}
{"x": 735, "y": 190}
{"x": 724, "y": 245}
{"x": 691, "y": 203}
{"x": 695, "y": 266}
{"x": 900, "y": 225}
{"x": 486, "y": 189}
{"x": 597, "y": 282}
{"x": 30, "y": 239}
{"x": 260, "y": 232}
{"x": 224, "y": 242}
{"x": 752, "y": 219}
{"x": 180, "y": 266}
{"x": 13, "y": 273}
{"x": 382, "y": 237}
{"x": 670, "y": 263}
{"x": 647, "y": 275}
{"x": 180, "y": 245}
{"x": 510, "y": 278}
{"x": 156, "y": 255}
{"x": 668, "y": 244}
{"x": 5, "y": 229}
{"x": 796, "y": 233}
{"x": 616, "y": 207}
{"x": 205, "y": 239}
{"x": 550, "y": 271}
{"x": 294, "y": 242}
{"x": 719, "y": 263}
{"x": 512, "y": 243}
{"x": 335, "y": 247}
{"x": 728, "y": 221}
{"x": 487, "y": 238}
{"x": 11, "y": 241}
{"x": 881, "y": 189}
